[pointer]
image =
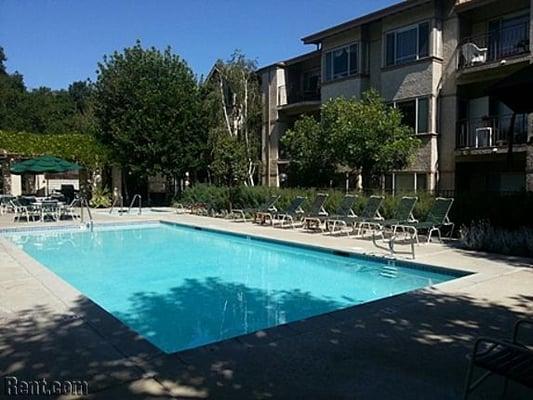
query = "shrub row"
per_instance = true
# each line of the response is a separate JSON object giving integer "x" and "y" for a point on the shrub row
{"x": 508, "y": 210}
{"x": 483, "y": 236}
{"x": 489, "y": 222}
{"x": 224, "y": 198}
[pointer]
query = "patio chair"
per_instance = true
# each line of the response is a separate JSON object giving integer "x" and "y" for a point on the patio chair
{"x": 70, "y": 211}
{"x": 342, "y": 213}
{"x": 314, "y": 217}
{"x": 208, "y": 209}
{"x": 513, "y": 360}
{"x": 5, "y": 204}
{"x": 199, "y": 209}
{"x": 288, "y": 217}
{"x": 435, "y": 220}
{"x": 473, "y": 54}
{"x": 369, "y": 215}
{"x": 23, "y": 210}
{"x": 403, "y": 214}
{"x": 268, "y": 207}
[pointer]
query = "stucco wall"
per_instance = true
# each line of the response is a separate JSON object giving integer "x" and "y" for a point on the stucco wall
{"x": 448, "y": 101}
{"x": 353, "y": 35}
{"x": 344, "y": 88}
{"x": 411, "y": 80}
{"x": 417, "y": 14}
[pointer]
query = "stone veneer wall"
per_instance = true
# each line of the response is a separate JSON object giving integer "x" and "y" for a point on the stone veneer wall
{"x": 6, "y": 175}
{"x": 529, "y": 167}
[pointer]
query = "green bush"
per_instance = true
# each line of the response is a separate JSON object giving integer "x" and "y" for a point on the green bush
{"x": 225, "y": 198}
{"x": 483, "y": 236}
{"x": 504, "y": 210}
{"x": 502, "y": 217}
{"x": 101, "y": 198}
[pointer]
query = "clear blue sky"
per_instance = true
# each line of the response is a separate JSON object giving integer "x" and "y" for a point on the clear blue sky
{"x": 55, "y": 42}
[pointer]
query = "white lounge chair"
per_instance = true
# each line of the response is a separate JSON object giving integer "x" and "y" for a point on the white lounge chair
{"x": 473, "y": 54}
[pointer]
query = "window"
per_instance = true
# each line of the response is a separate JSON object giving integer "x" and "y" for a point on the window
{"x": 508, "y": 36}
{"x": 311, "y": 82}
{"x": 406, "y": 182}
{"x": 408, "y": 110}
{"x": 341, "y": 62}
{"x": 415, "y": 113}
{"x": 421, "y": 182}
{"x": 423, "y": 115}
{"x": 407, "y": 44}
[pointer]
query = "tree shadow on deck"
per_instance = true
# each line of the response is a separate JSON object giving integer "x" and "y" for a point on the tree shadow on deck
{"x": 412, "y": 346}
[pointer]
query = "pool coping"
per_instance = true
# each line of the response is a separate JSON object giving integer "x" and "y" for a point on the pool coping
{"x": 133, "y": 345}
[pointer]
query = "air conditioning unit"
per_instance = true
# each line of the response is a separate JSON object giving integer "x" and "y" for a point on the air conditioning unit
{"x": 483, "y": 137}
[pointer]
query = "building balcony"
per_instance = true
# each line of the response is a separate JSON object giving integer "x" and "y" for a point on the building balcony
{"x": 296, "y": 100}
{"x": 494, "y": 46}
{"x": 490, "y": 132}
{"x": 294, "y": 96}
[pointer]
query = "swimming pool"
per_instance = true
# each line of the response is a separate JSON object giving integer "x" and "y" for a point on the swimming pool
{"x": 181, "y": 287}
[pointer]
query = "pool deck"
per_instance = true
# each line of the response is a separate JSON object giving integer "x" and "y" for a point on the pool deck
{"x": 410, "y": 346}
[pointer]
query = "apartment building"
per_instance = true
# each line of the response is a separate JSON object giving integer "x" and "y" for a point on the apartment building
{"x": 433, "y": 59}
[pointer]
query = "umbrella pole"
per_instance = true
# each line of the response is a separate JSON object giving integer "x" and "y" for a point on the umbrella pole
{"x": 47, "y": 189}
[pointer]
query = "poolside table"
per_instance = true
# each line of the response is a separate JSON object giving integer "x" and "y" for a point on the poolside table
{"x": 48, "y": 208}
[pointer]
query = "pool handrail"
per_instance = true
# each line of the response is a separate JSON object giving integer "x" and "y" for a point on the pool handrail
{"x": 137, "y": 196}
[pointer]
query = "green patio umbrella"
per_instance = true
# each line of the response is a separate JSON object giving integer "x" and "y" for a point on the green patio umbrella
{"x": 43, "y": 165}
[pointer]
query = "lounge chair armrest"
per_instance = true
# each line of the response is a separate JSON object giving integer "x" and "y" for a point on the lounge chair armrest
{"x": 409, "y": 228}
{"x": 492, "y": 342}
{"x": 520, "y": 323}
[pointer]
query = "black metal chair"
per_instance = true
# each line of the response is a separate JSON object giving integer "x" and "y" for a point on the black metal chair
{"x": 512, "y": 360}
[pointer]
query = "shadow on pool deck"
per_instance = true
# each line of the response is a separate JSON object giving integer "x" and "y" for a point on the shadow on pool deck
{"x": 412, "y": 346}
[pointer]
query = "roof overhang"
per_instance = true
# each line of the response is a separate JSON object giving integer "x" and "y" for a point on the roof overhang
{"x": 292, "y": 61}
{"x": 405, "y": 5}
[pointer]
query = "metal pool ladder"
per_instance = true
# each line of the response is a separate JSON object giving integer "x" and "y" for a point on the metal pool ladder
{"x": 84, "y": 204}
{"x": 115, "y": 200}
{"x": 137, "y": 196}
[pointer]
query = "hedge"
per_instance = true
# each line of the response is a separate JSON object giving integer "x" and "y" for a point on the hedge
{"x": 250, "y": 197}
{"x": 510, "y": 211}
{"x": 77, "y": 147}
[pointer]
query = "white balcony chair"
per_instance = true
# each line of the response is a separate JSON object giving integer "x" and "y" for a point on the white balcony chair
{"x": 473, "y": 54}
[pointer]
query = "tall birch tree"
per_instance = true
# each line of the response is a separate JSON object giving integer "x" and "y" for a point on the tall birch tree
{"x": 233, "y": 103}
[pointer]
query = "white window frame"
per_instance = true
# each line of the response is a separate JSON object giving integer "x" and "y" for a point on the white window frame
{"x": 349, "y": 74}
{"x": 395, "y": 190}
{"x": 405, "y": 29}
{"x": 416, "y": 100}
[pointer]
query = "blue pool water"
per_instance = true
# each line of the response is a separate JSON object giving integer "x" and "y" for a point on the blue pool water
{"x": 181, "y": 288}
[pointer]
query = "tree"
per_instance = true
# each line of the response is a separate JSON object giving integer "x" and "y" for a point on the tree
{"x": 43, "y": 110}
{"x": 366, "y": 136}
{"x": 147, "y": 108}
{"x": 229, "y": 164}
{"x": 313, "y": 161}
{"x": 232, "y": 102}
{"x": 12, "y": 92}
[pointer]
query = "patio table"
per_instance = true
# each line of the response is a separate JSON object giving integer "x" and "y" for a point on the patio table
{"x": 45, "y": 208}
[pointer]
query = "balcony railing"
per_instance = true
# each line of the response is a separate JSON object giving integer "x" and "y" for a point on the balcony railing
{"x": 297, "y": 95}
{"x": 494, "y": 45}
{"x": 490, "y": 131}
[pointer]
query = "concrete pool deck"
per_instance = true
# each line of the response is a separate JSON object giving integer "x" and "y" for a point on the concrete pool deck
{"x": 410, "y": 346}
